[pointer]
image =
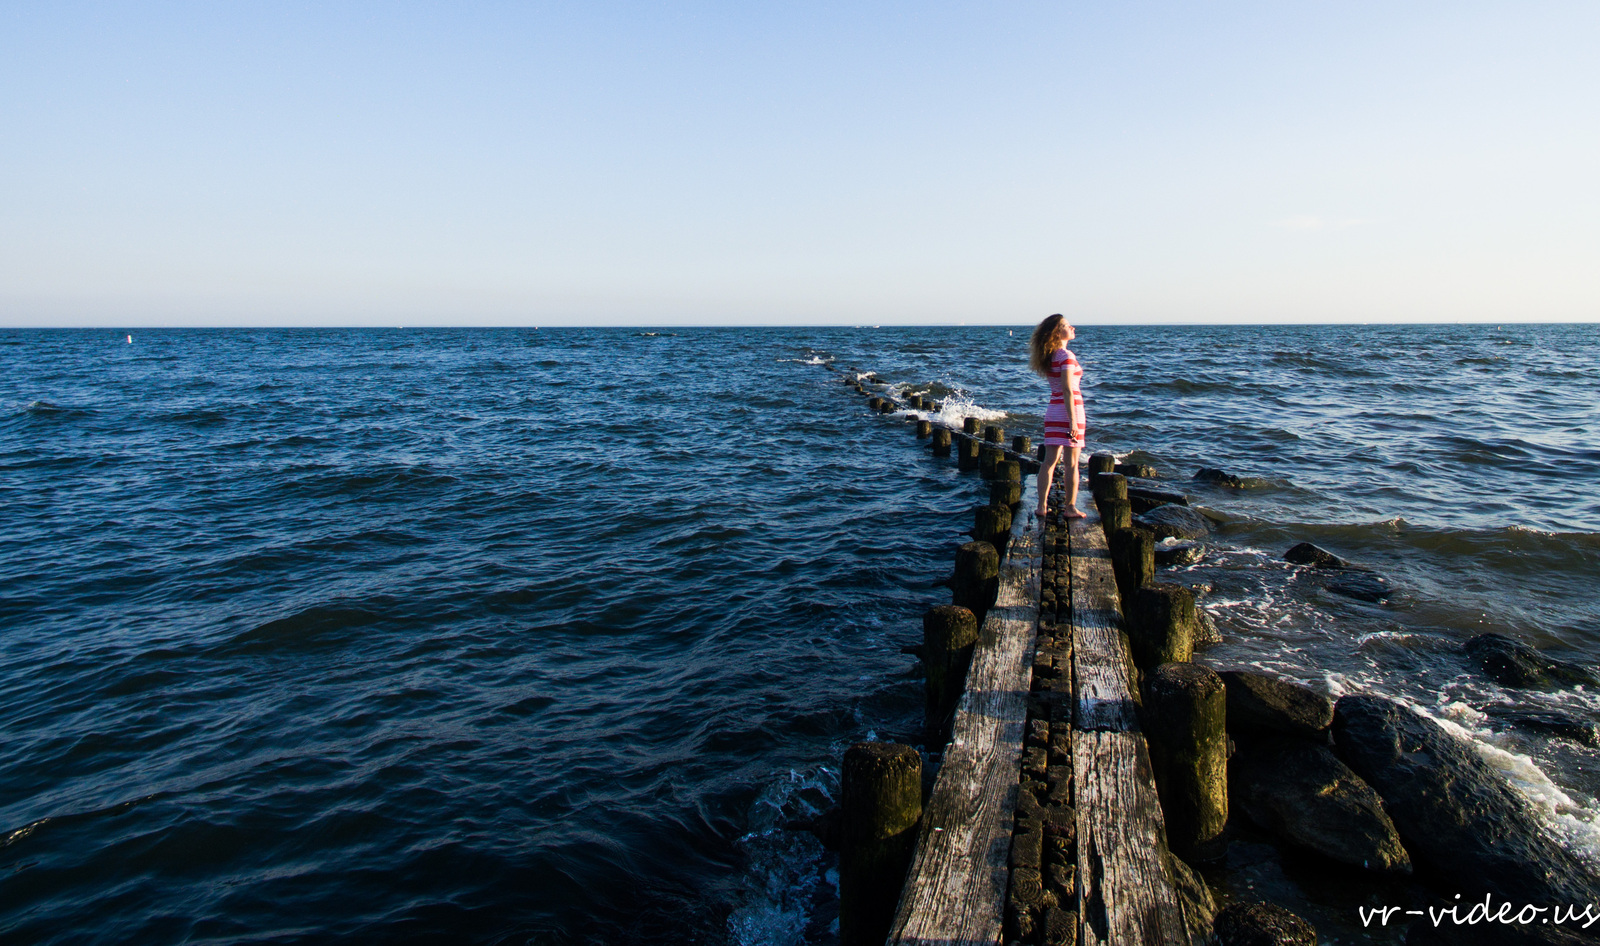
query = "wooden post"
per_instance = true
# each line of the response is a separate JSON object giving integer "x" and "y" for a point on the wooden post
{"x": 969, "y": 426}
{"x": 881, "y": 801}
{"x": 994, "y": 434}
{"x": 1184, "y": 717}
{"x": 924, "y": 429}
{"x": 874, "y": 401}
{"x": 915, "y": 400}
{"x": 1007, "y": 470}
{"x": 992, "y": 524}
{"x": 1021, "y": 444}
{"x": 1133, "y": 559}
{"x": 1115, "y": 514}
{"x": 886, "y": 406}
{"x": 1005, "y": 493}
{"x": 948, "y": 633}
{"x": 941, "y": 442}
{"x": 933, "y": 407}
{"x": 988, "y": 456}
{"x": 1102, "y": 463}
{"x": 977, "y": 578}
{"x": 1108, "y": 485}
{"x": 1161, "y": 624}
{"x": 966, "y": 453}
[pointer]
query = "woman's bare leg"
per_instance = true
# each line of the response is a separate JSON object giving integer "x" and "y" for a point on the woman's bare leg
{"x": 1070, "y": 510}
{"x": 1047, "y": 472}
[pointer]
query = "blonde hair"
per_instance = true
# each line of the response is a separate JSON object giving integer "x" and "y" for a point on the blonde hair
{"x": 1043, "y": 344}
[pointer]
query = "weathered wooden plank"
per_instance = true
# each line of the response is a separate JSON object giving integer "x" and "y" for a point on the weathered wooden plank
{"x": 1105, "y": 701}
{"x": 955, "y": 891}
{"x": 1126, "y": 897}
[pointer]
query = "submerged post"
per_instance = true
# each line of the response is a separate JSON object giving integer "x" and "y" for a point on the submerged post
{"x": 1021, "y": 444}
{"x": 881, "y": 801}
{"x": 948, "y": 633}
{"x": 1184, "y": 717}
{"x": 994, "y": 433}
{"x": 967, "y": 452}
{"x": 941, "y": 442}
{"x": 969, "y": 426}
{"x": 1102, "y": 463}
{"x": 923, "y": 429}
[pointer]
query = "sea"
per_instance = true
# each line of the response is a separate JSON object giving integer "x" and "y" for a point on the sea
{"x": 553, "y": 635}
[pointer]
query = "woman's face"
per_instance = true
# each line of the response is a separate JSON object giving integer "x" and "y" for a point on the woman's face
{"x": 1065, "y": 333}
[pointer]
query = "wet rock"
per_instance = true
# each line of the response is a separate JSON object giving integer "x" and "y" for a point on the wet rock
{"x": 1515, "y": 664}
{"x": 1141, "y": 470}
{"x": 1363, "y": 586}
{"x": 1175, "y": 522}
{"x": 1205, "y": 631}
{"x": 1180, "y": 552}
{"x": 1302, "y": 793}
{"x": 1262, "y": 924}
{"x": 1457, "y": 816}
{"x": 1307, "y": 554}
{"x": 1208, "y": 474}
{"x": 1548, "y": 722}
{"x": 1258, "y": 703}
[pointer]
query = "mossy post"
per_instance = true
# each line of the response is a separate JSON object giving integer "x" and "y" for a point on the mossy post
{"x": 992, "y": 524}
{"x": 924, "y": 429}
{"x": 1021, "y": 444}
{"x": 1102, "y": 463}
{"x": 1115, "y": 515}
{"x": 1108, "y": 486}
{"x": 915, "y": 400}
{"x": 988, "y": 456}
{"x": 967, "y": 452}
{"x": 948, "y": 633}
{"x": 874, "y": 401}
{"x": 886, "y": 407}
{"x": 994, "y": 433}
{"x": 941, "y": 442}
{"x": 1184, "y": 718}
{"x": 881, "y": 802}
{"x": 1133, "y": 559}
{"x": 977, "y": 578}
{"x": 1161, "y": 624}
{"x": 1005, "y": 493}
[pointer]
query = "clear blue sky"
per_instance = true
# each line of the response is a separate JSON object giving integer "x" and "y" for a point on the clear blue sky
{"x": 780, "y": 163}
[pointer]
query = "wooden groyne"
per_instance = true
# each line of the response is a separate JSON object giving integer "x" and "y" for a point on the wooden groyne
{"x": 1089, "y": 758}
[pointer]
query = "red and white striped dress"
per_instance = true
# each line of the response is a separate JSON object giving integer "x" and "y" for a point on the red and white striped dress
{"x": 1061, "y": 427}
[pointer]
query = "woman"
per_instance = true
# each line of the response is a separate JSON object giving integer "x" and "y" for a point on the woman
{"x": 1064, "y": 419}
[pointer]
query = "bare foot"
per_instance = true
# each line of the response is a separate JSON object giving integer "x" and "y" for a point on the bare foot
{"x": 1040, "y": 512}
{"x": 1073, "y": 512}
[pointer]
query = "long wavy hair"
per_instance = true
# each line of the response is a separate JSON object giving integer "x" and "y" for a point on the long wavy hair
{"x": 1043, "y": 344}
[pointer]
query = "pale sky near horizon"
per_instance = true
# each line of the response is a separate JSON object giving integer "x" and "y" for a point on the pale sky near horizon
{"x": 224, "y": 163}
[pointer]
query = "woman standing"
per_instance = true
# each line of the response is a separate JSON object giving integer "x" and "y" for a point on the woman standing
{"x": 1064, "y": 422}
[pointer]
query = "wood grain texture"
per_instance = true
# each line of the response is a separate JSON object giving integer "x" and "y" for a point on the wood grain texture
{"x": 955, "y": 891}
{"x": 1125, "y": 895}
{"x": 1105, "y": 699}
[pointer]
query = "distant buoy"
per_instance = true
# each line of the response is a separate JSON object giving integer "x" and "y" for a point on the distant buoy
{"x": 130, "y": 339}
{"x": 1011, "y": 333}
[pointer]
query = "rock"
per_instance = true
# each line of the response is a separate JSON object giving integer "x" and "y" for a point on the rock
{"x": 1206, "y": 629}
{"x": 1302, "y": 793}
{"x": 1261, "y": 704}
{"x": 1199, "y": 907}
{"x": 1457, "y": 816}
{"x": 1141, "y": 470}
{"x": 1549, "y": 722}
{"x": 1307, "y": 554}
{"x": 1363, "y": 586}
{"x": 1515, "y": 664}
{"x": 1262, "y": 924}
{"x": 1176, "y": 522}
{"x": 1210, "y": 475}
{"x": 1180, "y": 552}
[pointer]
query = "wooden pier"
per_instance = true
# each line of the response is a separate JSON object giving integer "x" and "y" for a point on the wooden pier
{"x": 1126, "y": 892}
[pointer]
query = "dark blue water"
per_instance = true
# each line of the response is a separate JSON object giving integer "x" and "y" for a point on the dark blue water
{"x": 512, "y": 636}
